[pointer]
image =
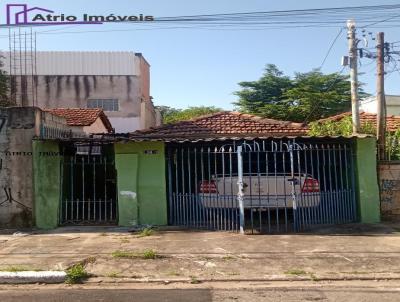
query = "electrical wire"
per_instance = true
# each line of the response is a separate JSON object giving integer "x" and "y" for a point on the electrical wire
{"x": 330, "y": 47}
{"x": 366, "y": 16}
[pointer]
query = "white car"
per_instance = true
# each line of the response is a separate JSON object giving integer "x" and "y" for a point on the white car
{"x": 260, "y": 191}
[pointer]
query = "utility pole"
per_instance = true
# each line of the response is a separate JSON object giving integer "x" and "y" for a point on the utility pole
{"x": 380, "y": 94}
{"x": 351, "y": 31}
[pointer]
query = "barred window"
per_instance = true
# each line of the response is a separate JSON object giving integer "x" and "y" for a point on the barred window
{"x": 105, "y": 104}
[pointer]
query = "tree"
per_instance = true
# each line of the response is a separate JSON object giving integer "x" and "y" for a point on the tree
{"x": 4, "y": 86}
{"x": 172, "y": 115}
{"x": 265, "y": 96}
{"x": 307, "y": 97}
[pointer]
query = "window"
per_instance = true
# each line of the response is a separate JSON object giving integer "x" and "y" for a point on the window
{"x": 88, "y": 150}
{"x": 105, "y": 104}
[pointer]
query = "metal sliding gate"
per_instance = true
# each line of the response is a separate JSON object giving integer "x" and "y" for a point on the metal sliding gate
{"x": 88, "y": 194}
{"x": 262, "y": 186}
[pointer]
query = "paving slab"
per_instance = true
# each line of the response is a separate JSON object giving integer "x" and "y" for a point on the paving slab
{"x": 348, "y": 251}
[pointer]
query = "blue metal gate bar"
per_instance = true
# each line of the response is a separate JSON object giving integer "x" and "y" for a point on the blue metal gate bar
{"x": 284, "y": 185}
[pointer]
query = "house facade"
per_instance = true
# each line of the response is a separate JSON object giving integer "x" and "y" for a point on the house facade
{"x": 186, "y": 174}
{"x": 117, "y": 82}
{"x": 183, "y": 174}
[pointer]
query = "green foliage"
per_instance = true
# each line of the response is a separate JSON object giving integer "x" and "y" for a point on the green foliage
{"x": 4, "y": 86}
{"x": 344, "y": 127}
{"x": 149, "y": 254}
{"x": 172, "y": 115}
{"x": 76, "y": 274}
{"x": 296, "y": 272}
{"x": 306, "y": 97}
{"x": 146, "y": 254}
{"x": 146, "y": 232}
{"x": 393, "y": 145}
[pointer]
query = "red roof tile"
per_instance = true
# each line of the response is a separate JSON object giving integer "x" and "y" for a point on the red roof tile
{"x": 225, "y": 124}
{"x": 81, "y": 116}
{"x": 392, "y": 121}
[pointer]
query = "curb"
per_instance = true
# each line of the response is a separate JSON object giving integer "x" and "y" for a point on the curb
{"x": 97, "y": 279}
{"x": 25, "y": 277}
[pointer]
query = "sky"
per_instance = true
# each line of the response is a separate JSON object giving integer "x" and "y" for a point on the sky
{"x": 194, "y": 67}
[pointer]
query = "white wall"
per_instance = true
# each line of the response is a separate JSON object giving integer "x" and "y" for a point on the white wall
{"x": 392, "y": 105}
{"x": 125, "y": 124}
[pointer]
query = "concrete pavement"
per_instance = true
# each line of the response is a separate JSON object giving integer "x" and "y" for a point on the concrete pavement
{"x": 345, "y": 252}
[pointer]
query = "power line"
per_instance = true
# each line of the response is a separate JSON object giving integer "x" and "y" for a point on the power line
{"x": 330, "y": 47}
{"x": 279, "y": 19}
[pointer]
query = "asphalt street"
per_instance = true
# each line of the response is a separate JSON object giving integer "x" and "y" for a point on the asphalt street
{"x": 290, "y": 293}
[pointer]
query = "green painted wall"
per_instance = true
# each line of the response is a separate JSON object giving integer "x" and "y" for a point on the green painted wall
{"x": 367, "y": 180}
{"x": 144, "y": 175}
{"x": 126, "y": 166}
{"x": 46, "y": 178}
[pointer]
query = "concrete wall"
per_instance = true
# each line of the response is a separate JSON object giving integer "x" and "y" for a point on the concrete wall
{"x": 69, "y": 79}
{"x": 125, "y": 124}
{"x": 392, "y": 104}
{"x": 389, "y": 180}
{"x": 142, "y": 197}
{"x": 366, "y": 180}
{"x": 46, "y": 178}
{"x": 63, "y": 91}
{"x": 17, "y": 128}
{"x": 148, "y": 115}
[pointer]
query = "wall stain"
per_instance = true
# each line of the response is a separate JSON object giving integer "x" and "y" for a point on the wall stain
{"x": 68, "y": 81}
{"x": 86, "y": 86}
{"x": 77, "y": 88}
{"x": 47, "y": 80}
{"x": 59, "y": 86}
{"x": 94, "y": 78}
{"x": 128, "y": 88}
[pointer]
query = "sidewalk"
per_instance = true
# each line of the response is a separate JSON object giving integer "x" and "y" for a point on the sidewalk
{"x": 347, "y": 252}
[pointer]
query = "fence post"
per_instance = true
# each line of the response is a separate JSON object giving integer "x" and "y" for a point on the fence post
{"x": 294, "y": 203}
{"x": 240, "y": 188}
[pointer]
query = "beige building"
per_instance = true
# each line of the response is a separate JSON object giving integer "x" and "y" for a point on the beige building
{"x": 117, "y": 82}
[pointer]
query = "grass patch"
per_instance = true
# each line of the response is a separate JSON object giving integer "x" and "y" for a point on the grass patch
{"x": 124, "y": 240}
{"x": 194, "y": 280}
{"x": 103, "y": 234}
{"x": 146, "y": 254}
{"x": 355, "y": 273}
{"x": 113, "y": 275}
{"x": 146, "y": 232}
{"x": 175, "y": 274}
{"x": 149, "y": 254}
{"x": 227, "y": 258}
{"x": 17, "y": 268}
{"x": 76, "y": 274}
{"x": 296, "y": 272}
